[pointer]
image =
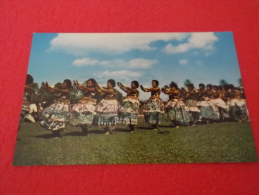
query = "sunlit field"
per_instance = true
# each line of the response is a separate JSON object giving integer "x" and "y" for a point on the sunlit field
{"x": 220, "y": 142}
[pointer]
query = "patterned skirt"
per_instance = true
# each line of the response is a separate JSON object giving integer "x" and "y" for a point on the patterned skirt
{"x": 25, "y": 108}
{"x": 208, "y": 110}
{"x": 106, "y": 112}
{"x": 191, "y": 106}
{"x": 176, "y": 111}
{"x": 83, "y": 112}
{"x": 153, "y": 110}
{"x": 128, "y": 112}
{"x": 55, "y": 116}
{"x": 223, "y": 107}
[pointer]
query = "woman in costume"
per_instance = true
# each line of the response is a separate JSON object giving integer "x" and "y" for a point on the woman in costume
{"x": 238, "y": 107}
{"x": 219, "y": 102}
{"x": 175, "y": 108}
{"x": 207, "y": 110}
{"x": 107, "y": 108}
{"x": 128, "y": 112}
{"x": 83, "y": 112}
{"x": 191, "y": 103}
{"x": 154, "y": 107}
{"x": 28, "y": 90}
{"x": 55, "y": 116}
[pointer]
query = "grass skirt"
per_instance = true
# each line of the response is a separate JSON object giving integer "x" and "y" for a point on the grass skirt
{"x": 128, "y": 112}
{"x": 106, "y": 112}
{"x": 55, "y": 116}
{"x": 191, "y": 106}
{"x": 153, "y": 110}
{"x": 208, "y": 110}
{"x": 83, "y": 112}
{"x": 25, "y": 108}
{"x": 176, "y": 111}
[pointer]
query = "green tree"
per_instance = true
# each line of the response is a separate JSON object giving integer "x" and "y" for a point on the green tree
{"x": 223, "y": 82}
{"x": 187, "y": 82}
{"x": 240, "y": 82}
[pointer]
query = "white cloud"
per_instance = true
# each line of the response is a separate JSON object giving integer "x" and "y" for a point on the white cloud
{"x": 199, "y": 63}
{"x": 114, "y": 43}
{"x": 202, "y": 41}
{"x": 134, "y": 63}
{"x": 122, "y": 74}
{"x": 141, "y": 63}
{"x": 85, "y": 62}
{"x": 183, "y": 62}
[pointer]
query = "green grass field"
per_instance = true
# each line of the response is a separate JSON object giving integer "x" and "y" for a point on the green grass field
{"x": 221, "y": 142}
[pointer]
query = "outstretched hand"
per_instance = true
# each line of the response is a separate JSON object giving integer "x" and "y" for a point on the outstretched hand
{"x": 119, "y": 84}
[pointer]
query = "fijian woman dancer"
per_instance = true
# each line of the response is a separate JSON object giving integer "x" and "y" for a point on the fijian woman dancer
{"x": 128, "y": 112}
{"x": 83, "y": 112}
{"x": 55, "y": 116}
{"x": 107, "y": 108}
{"x": 154, "y": 107}
{"x": 26, "y": 99}
{"x": 191, "y": 103}
{"x": 175, "y": 107}
{"x": 220, "y": 103}
{"x": 207, "y": 109}
{"x": 238, "y": 107}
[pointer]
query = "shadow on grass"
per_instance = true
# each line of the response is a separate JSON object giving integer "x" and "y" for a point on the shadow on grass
{"x": 145, "y": 128}
{"x": 121, "y": 130}
{"x": 45, "y": 136}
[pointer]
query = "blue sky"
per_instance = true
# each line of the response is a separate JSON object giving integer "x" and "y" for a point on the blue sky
{"x": 200, "y": 57}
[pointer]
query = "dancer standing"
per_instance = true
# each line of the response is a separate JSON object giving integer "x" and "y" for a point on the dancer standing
{"x": 83, "y": 112}
{"x": 207, "y": 109}
{"x": 28, "y": 90}
{"x": 191, "y": 103}
{"x": 154, "y": 107}
{"x": 128, "y": 112}
{"x": 175, "y": 108}
{"x": 107, "y": 108}
{"x": 55, "y": 116}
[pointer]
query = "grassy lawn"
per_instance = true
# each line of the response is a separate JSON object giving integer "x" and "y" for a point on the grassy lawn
{"x": 221, "y": 142}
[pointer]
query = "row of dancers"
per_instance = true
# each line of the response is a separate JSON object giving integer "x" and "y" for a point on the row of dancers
{"x": 184, "y": 107}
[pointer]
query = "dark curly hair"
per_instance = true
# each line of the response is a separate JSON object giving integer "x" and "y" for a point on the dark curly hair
{"x": 201, "y": 85}
{"x": 68, "y": 82}
{"x": 135, "y": 83}
{"x": 156, "y": 81}
{"x": 173, "y": 84}
{"x": 209, "y": 85}
{"x": 215, "y": 86}
{"x": 29, "y": 79}
{"x": 92, "y": 80}
{"x": 112, "y": 82}
{"x": 190, "y": 85}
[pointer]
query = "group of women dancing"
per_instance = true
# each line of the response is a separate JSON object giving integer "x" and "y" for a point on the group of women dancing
{"x": 184, "y": 107}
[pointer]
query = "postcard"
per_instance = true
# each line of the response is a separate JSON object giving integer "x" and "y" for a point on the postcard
{"x": 133, "y": 98}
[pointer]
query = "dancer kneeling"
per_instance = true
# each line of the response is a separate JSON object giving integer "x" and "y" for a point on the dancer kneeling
{"x": 55, "y": 116}
{"x": 175, "y": 108}
{"x": 107, "y": 108}
{"x": 128, "y": 112}
{"x": 154, "y": 107}
{"x": 83, "y": 112}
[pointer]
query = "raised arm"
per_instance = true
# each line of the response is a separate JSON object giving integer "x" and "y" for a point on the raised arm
{"x": 101, "y": 89}
{"x": 149, "y": 89}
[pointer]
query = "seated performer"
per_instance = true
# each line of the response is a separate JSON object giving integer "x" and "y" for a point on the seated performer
{"x": 154, "y": 107}
{"x": 128, "y": 112}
